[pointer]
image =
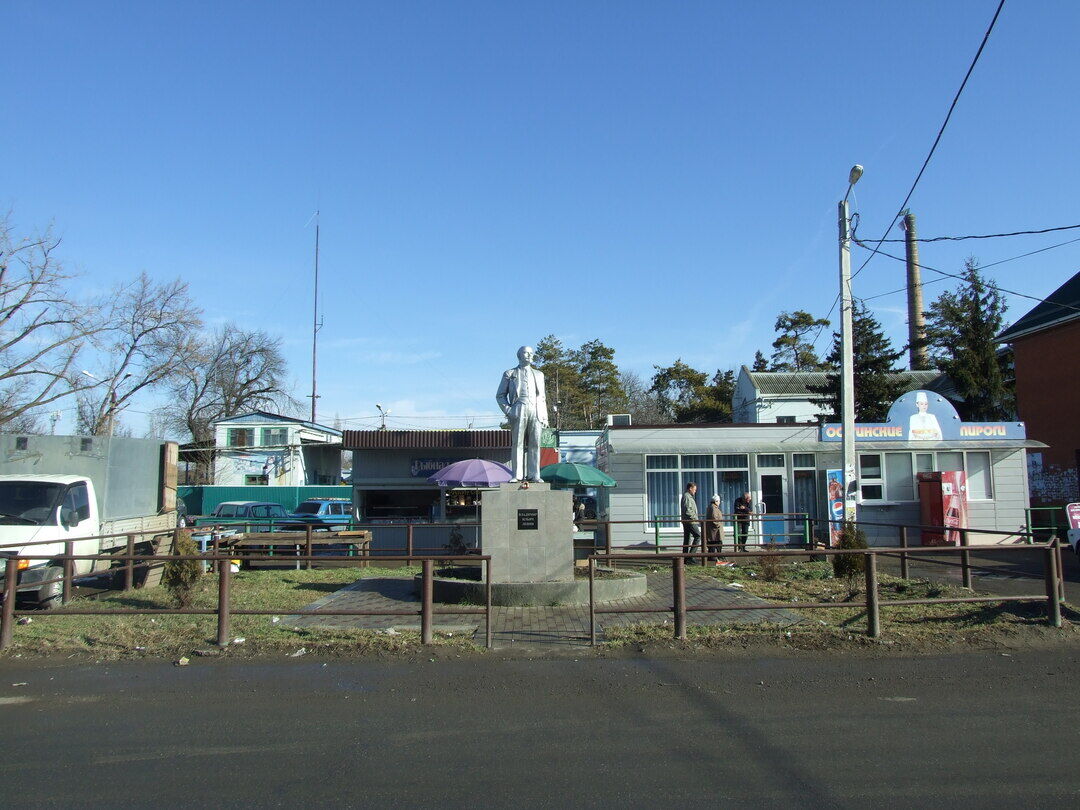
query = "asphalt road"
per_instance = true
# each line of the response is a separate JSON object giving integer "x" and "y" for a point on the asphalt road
{"x": 988, "y": 729}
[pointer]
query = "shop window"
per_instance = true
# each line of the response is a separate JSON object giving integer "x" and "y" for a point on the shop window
{"x": 667, "y": 476}
{"x": 949, "y": 462}
{"x": 21, "y": 443}
{"x": 697, "y": 462}
{"x": 980, "y": 485}
{"x": 275, "y": 436}
{"x": 924, "y": 462}
{"x": 770, "y": 460}
{"x": 736, "y": 461}
{"x": 662, "y": 462}
{"x": 899, "y": 482}
{"x": 803, "y": 460}
{"x": 86, "y": 445}
{"x": 733, "y": 483}
{"x": 870, "y": 480}
{"x": 241, "y": 437}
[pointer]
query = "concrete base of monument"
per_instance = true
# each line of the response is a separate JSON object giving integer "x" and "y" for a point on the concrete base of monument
{"x": 465, "y": 584}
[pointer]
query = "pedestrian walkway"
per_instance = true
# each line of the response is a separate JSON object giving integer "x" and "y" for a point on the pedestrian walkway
{"x": 542, "y": 626}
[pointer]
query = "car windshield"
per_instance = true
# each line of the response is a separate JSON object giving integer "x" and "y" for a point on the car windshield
{"x": 28, "y": 503}
{"x": 308, "y": 508}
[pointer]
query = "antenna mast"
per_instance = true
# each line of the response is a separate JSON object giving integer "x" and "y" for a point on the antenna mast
{"x": 315, "y": 325}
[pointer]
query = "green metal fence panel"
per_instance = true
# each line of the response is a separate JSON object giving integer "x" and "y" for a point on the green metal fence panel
{"x": 202, "y": 500}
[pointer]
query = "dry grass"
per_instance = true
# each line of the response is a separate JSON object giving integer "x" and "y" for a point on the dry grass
{"x": 110, "y": 637}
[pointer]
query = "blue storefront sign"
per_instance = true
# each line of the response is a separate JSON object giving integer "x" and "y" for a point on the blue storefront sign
{"x": 923, "y": 416}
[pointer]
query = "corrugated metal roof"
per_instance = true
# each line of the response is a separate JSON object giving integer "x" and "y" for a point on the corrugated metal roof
{"x": 797, "y": 383}
{"x": 425, "y": 439}
{"x": 1060, "y": 306}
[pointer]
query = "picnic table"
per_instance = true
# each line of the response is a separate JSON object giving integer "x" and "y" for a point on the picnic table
{"x": 297, "y": 543}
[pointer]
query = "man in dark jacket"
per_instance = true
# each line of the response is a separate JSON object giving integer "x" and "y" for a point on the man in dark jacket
{"x": 691, "y": 532}
{"x": 742, "y": 509}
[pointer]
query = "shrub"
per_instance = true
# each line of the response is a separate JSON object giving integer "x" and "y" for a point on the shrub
{"x": 770, "y": 567}
{"x": 179, "y": 576}
{"x": 849, "y": 566}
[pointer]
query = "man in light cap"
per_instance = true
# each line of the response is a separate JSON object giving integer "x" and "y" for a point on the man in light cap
{"x": 522, "y": 398}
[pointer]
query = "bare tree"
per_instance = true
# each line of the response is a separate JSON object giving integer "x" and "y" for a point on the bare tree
{"x": 150, "y": 337}
{"x": 641, "y": 402}
{"x": 234, "y": 371}
{"x": 42, "y": 331}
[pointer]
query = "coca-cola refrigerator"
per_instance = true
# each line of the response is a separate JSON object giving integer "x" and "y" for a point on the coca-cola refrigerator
{"x": 943, "y": 502}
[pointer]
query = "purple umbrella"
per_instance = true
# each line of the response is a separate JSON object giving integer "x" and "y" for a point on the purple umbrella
{"x": 472, "y": 472}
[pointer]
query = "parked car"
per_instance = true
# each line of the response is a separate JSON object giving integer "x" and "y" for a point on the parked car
{"x": 322, "y": 514}
{"x": 249, "y": 513}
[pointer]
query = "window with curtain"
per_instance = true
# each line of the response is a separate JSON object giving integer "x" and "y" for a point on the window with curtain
{"x": 666, "y": 477}
{"x": 980, "y": 486}
{"x": 663, "y": 495}
{"x": 899, "y": 482}
{"x": 950, "y": 461}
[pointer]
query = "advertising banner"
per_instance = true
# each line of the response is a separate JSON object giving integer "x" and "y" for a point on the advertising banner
{"x": 923, "y": 416}
{"x": 834, "y": 495}
{"x": 1073, "y": 511}
{"x": 427, "y": 467}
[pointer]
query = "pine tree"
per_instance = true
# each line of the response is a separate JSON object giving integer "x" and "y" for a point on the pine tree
{"x": 760, "y": 363}
{"x": 961, "y": 328}
{"x": 874, "y": 360}
{"x": 599, "y": 379}
{"x": 791, "y": 350}
{"x": 686, "y": 395}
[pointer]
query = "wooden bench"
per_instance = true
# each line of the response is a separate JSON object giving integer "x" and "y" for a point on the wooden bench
{"x": 296, "y": 542}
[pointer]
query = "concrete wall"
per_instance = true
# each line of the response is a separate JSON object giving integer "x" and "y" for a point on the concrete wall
{"x": 127, "y": 473}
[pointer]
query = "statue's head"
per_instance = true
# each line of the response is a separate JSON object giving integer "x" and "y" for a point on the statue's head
{"x": 525, "y": 355}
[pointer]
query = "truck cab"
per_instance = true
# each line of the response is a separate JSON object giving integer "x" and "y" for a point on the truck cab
{"x": 39, "y": 515}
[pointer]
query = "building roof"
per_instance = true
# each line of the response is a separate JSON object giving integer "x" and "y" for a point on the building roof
{"x": 798, "y": 383}
{"x": 266, "y": 416}
{"x": 1062, "y": 305}
{"x": 426, "y": 439}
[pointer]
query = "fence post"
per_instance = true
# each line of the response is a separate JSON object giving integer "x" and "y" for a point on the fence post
{"x": 307, "y": 546}
{"x": 1027, "y": 523}
{"x": 1060, "y": 570}
{"x": 903, "y": 554}
{"x": 965, "y": 559}
{"x": 7, "y": 616}
{"x": 873, "y": 612}
{"x": 806, "y": 530}
{"x": 678, "y": 588}
{"x": 69, "y": 564}
{"x": 426, "y": 600}
{"x": 656, "y": 535}
{"x": 1052, "y": 604}
{"x": 592, "y": 604}
{"x": 408, "y": 540}
{"x": 607, "y": 541}
{"x": 488, "y": 635}
{"x": 224, "y": 580}
{"x": 129, "y": 564}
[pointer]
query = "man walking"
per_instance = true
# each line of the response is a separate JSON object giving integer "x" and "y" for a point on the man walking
{"x": 742, "y": 509}
{"x": 691, "y": 532}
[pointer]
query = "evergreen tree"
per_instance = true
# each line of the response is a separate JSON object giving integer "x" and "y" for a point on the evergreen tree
{"x": 686, "y": 395}
{"x": 760, "y": 363}
{"x": 874, "y": 363}
{"x": 599, "y": 381}
{"x": 563, "y": 383}
{"x": 792, "y": 351}
{"x": 960, "y": 329}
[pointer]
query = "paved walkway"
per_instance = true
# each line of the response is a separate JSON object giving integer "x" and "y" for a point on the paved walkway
{"x": 544, "y": 626}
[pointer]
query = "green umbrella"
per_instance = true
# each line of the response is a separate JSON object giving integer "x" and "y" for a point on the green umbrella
{"x": 576, "y": 475}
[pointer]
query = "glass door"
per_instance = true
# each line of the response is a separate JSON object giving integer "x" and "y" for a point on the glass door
{"x": 772, "y": 502}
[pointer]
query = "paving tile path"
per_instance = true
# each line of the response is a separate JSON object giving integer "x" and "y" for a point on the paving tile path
{"x": 543, "y": 626}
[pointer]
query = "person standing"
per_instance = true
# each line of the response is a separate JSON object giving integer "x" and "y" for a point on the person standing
{"x": 742, "y": 508}
{"x": 714, "y": 528}
{"x": 691, "y": 532}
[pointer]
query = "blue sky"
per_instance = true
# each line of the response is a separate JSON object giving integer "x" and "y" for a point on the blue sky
{"x": 662, "y": 176}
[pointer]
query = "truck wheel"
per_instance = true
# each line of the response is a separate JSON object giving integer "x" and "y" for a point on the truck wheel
{"x": 51, "y": 595}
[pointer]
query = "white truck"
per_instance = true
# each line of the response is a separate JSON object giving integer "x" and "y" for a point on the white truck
{"x": 40, "y": 512}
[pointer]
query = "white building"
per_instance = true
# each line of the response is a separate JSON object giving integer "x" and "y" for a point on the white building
{"x": 785, "y": 398}
{"x": 261, "y": 448}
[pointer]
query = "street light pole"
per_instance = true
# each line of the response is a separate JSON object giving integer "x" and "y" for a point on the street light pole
{"x": 847, "y": 363}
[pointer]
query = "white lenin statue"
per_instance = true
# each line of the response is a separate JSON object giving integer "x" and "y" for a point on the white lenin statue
{"x": 521, "y": 397}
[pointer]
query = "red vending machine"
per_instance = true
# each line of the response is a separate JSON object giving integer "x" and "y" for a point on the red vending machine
{"x": 943, "y": 502}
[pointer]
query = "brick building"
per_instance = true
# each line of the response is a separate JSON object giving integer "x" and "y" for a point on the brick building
{"x": 1046, "y": 345}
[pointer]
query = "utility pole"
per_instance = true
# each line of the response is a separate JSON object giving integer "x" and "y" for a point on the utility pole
{"x": 315, "y": 324}
{"x": 917, "y": 355}
{"x": 847, "y": 360}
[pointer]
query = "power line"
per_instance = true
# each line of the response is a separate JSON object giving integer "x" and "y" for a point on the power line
{"x": 989, "y": 284}
{"x": 937, "y": 140}
{"x": 981, "y": 267}
{"x": 987, "y": 236}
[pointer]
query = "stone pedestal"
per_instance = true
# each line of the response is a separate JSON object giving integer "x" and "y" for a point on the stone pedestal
{"x": 528, "y": 533}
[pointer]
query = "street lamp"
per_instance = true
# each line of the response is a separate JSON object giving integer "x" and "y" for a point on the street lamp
{"x": 847, "y": 366}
